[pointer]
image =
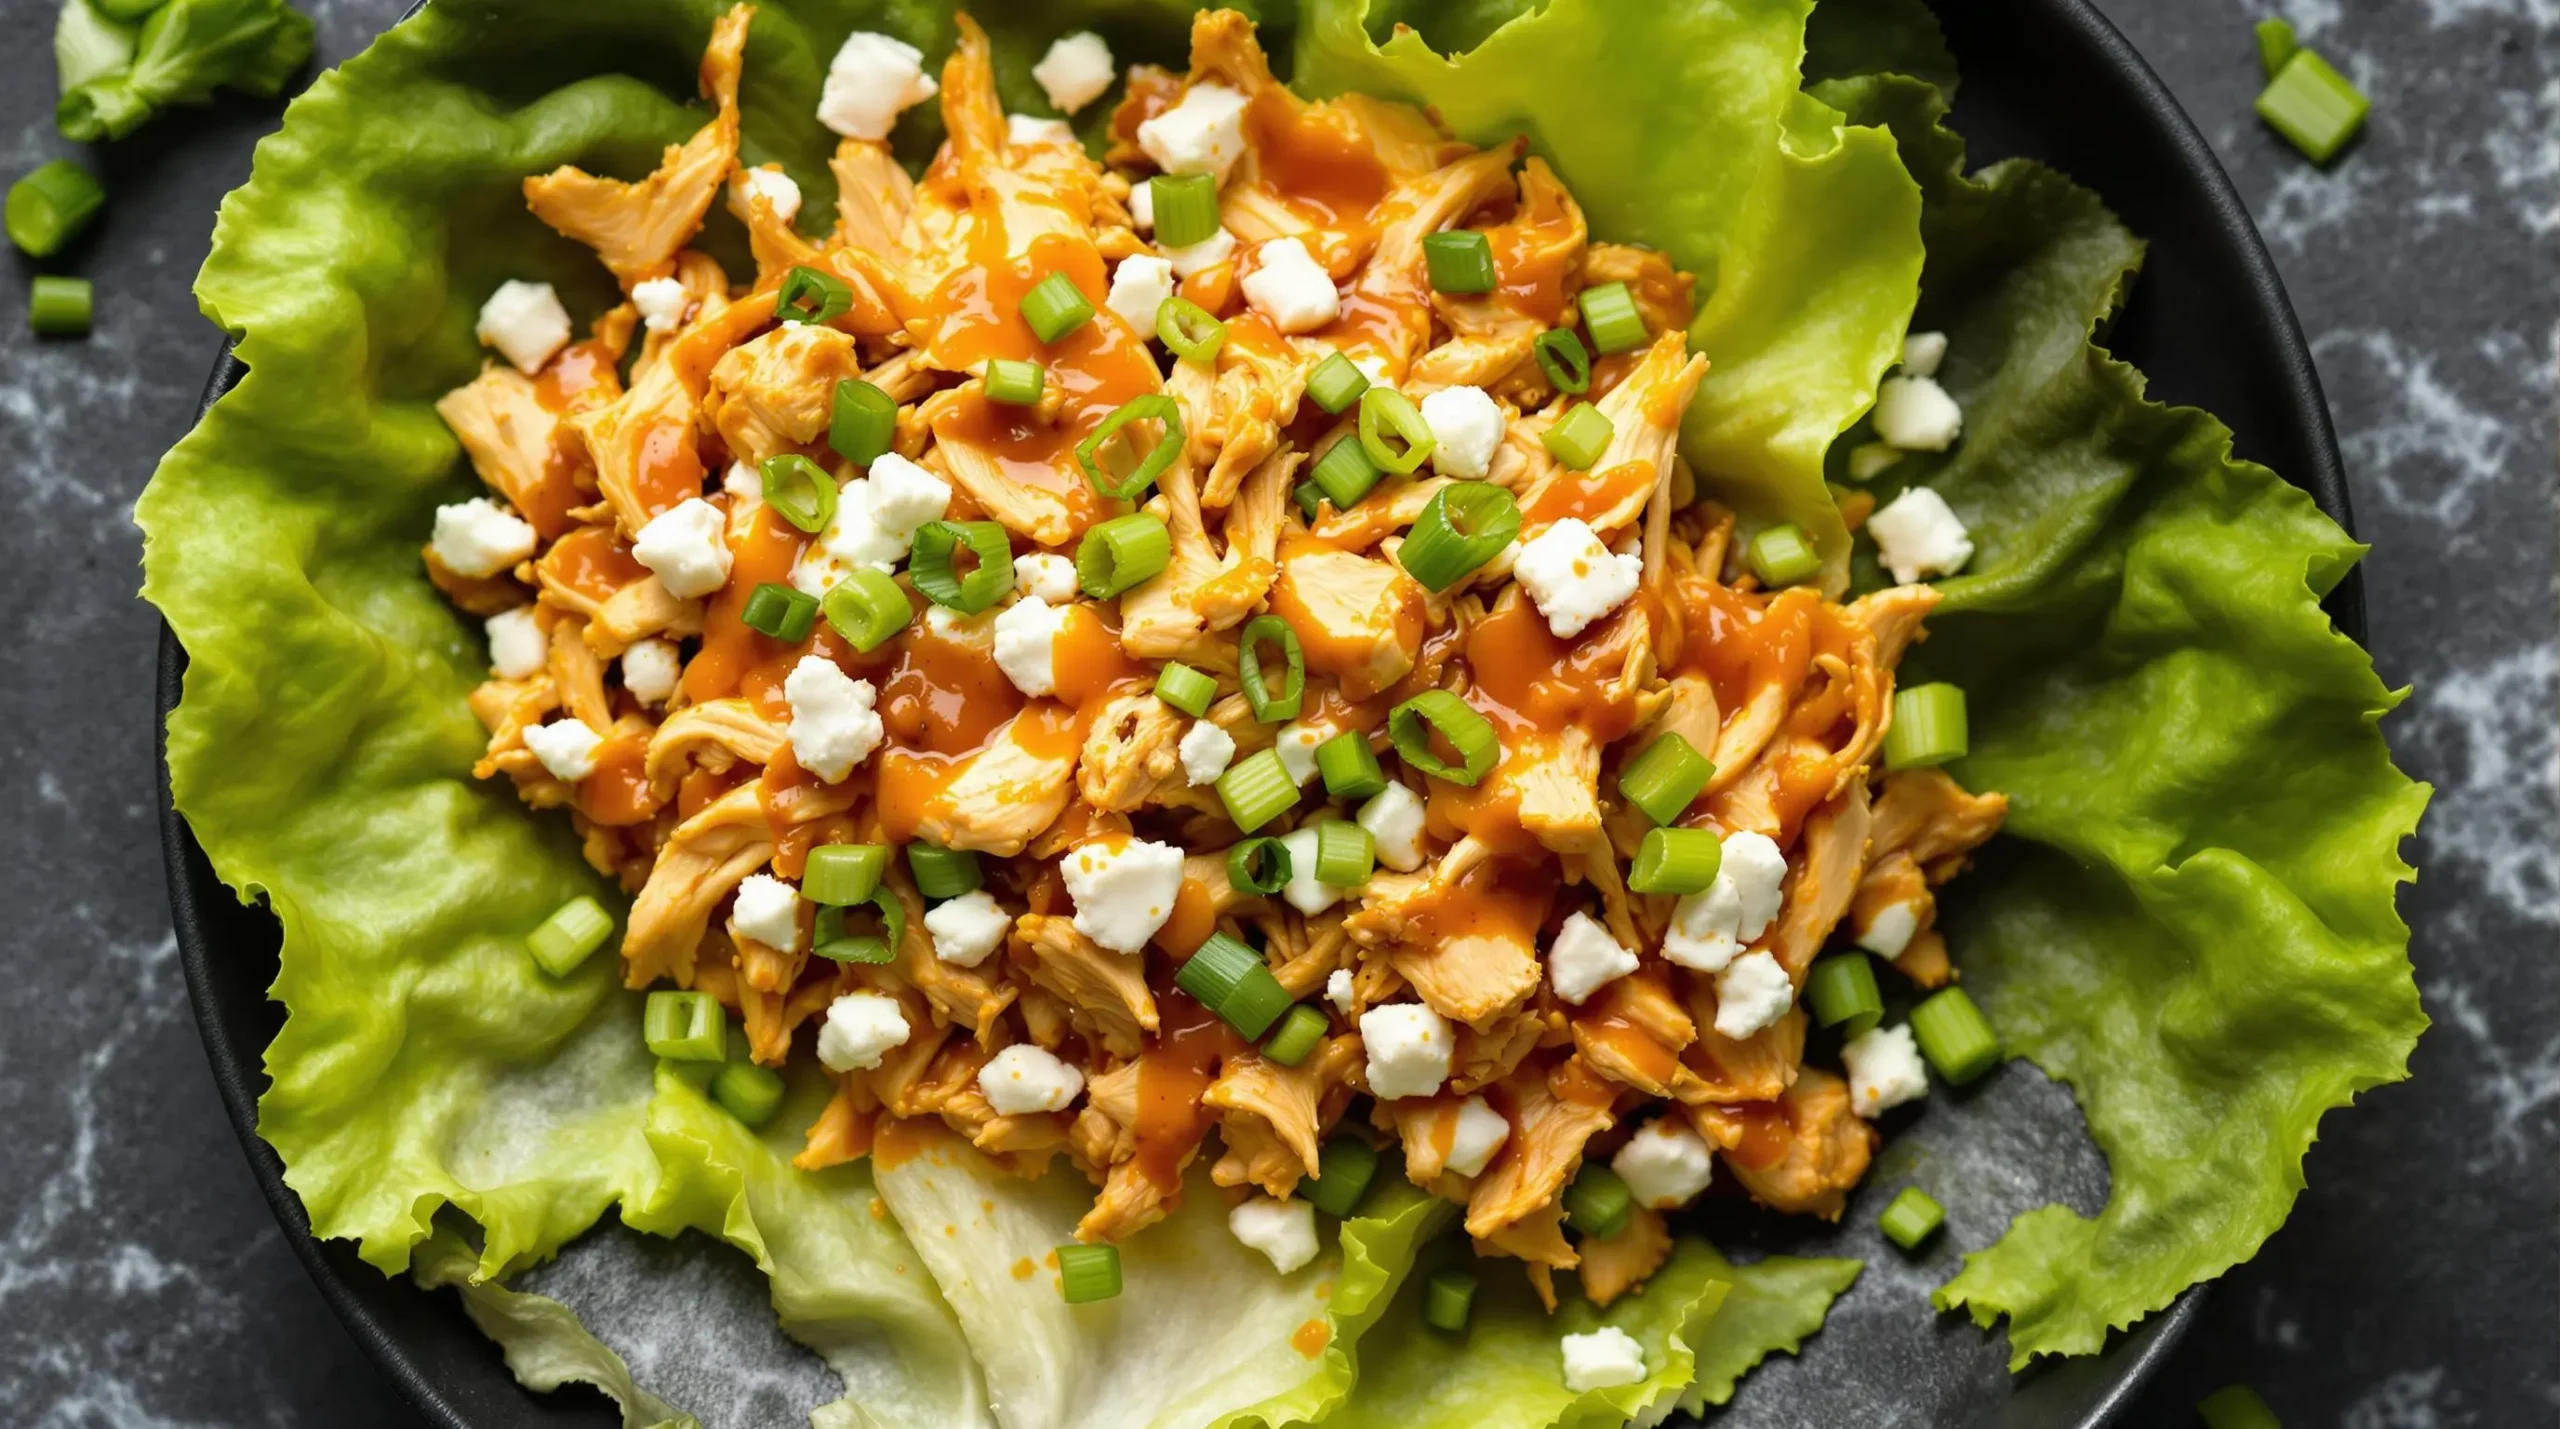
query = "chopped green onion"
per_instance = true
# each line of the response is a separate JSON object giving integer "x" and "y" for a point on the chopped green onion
{"x": 841, "y": 875}
{"x": 1609, "y": 315}
{"x": 1462, "y": 526}
{"x": 1055, "y": 306}
{"x": 1678, "y": 861}
{"x": 1186, "y": 209}
{"x": 1121, "y": 553}
{"x": 866, "y": 608}
{"x": 1448, "y": 1298}
{"x": 1598, "y": 1202}
{"x": 1579, "y": 437}
{"x": 1271, "y": 706}
{"x": 1259, "y": 866}
{"x": 1345, "y": 1166}
{"x": 1190, "y": 330}
{"x": 1144, "y": 471}
{"x": 50, "y": 206}
{"x": 1842, "y": 989}
{"x": 565, "y": 939}
{"x": 2276, "y": 44}
{"x": 1257, "y": 789}
{"x": 1954, "y": 1036}
{"x": 1928, "y": 728}
{"x": 685, "y": 1026}
{"x": 1310, "y": 500}
{"x": 1564, "y": 359}
{"x": 751, "y": 1093}
{"x": 1781, "y": 556}
{"x": 1393, "y": 432}
{"x": 1412, "y": 724}
{"x": 943, "y": 872}
{"x": 781, "y": 612}
{"x": 1346, "y": 854}
{"x": 1913, "y": 1217}
{"x": 1229, "y": 978}
{"x": 1336, "y": 383}
{"x": 832, "y": 942}
{"x": 800, "y": 490}
{"x": 2313, "y": 105}
{"x": 865, "y": 422}
{"x": 810, "y": 296}
{"x": 60, "y": 307}
{"x": 1349, "y": 768}
{"x": 1186, "y": 689}
{"x": 1299, "y": 1033}
{"x": 932, "y": 562}
{"x": 1459, "y": 261}
{"x": 1015, "y": 383}
{"x": 1665, "y": 778}
{"x": 1344, "y": 473}
{"x": 2236, "y": 1406}
{"x": 1087, "y": 1273}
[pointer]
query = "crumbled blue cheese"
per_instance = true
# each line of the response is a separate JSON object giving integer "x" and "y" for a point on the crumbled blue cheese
{"x": 1479, "y": 1133}
{"x": 1026, "y": 644}
{"x": 1917, "y": 536}
{"x": 1075, "y": 71}
{"x": 1288, "y": 286}
{"x": 861, "y": 1028}
{"x": 1752, "y": 993}
{"x": 1023, "y": 1080}
{"x": 1917, "y": 415}
{"x": 1889, "y": 931}
{"x": 662, "y": 303}
{"x": 687, "y": 547}
{"x": 1284, "y": 1231}
{"x": 1394, "y": 821}
{"x": 871, "y": 81}
{"x": 1665, "y": 1164}
{"x": 1139, "y": 286}
{"x": 1304, "y": 891}
{"x": 767, "y": 910}
{"x": 1142, "y": 206}
{"x": 1708, "y": 930}
{"x": 1044, "y": 577}
{"x": 1603, "y": 1359}
{"x": 835, "y": 722}
{"x": 1466, "y": 430}
{"x": 1206, "y": 751}
{"x": 517, "y": 647}
{"x": 1123, "y": 889}
{"x": 904, "y": 496}
{"x": 650, "y": 669}
{"x": 1584, "y": 958}
{"x": 1885, "y": 1070}
{"x": 775, "y": 187}
{"x": 1202, "y": 256}
{"x": 1296, "y": 745}
{"x": 1573, "y": 578}
{"x": 1026, "y": 131}
{"x": 1337, "y": 990}
{"x": 968, "y": 929}
{"x": 525, "y": 323}
{"x": 1408, "y": 1047}
{"x": 566, "y": 747}
{"x": 1202, "y": 134}
{"x": 479, "y": 538}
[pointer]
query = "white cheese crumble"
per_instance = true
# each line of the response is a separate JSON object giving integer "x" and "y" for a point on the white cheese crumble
{"x": 853, "y": 539}
{"x": 1573, "y": 578}
{"x": 1584, "y": 958}
{"x": 1025, "y": 131}
{"x": 1917, "y": 415}
{"x": 566, "y": 747}
{"x": 1023, "y": 1080}
{"x": 1708, "y": 930}
{"x": 1123, "y": 891}
{"x": 1139, "y": 286}
{"x": 1890, "y": 930}
{"x": 1142, "y": 206}
{"x": 1479, "y": 1133}
{"x": 662, "y": 302}
{"x": 1869, "y": 460}
{"x": 904, "y": 496}
{"x": 1304, "y": 891}
{"x": 1206, "y": 751}
{"x": 1885, "y": 1070}
{"x": 1284, "y": 1231}
{"x": 650, "y": 669}
{"x": 968, "y": 929}
{"x": 479, "y": 538}
{"x": 1075, "y": 71}
{"x": 1752, "y": 993}
{"x": 1466, "y": 430}
{"x": 1408, "y": 1047}
{"x": 1044, "y": 577}
{"x": 768, "y": 910}
{"x": 1603, "y": 1359}
{"x": 774, "y": 187}
{"x": 1337, "y": 990}
{"x": 517, "y": 647}
{"x": 1296, "y": 746}
{"x": 687, "y": 547}
{"x": 871, "y": 81}
{"x": 1202, "y": 256}
{"x": 1026, "y": 644}
{"x": 1922, "y": 352}
{"x": 1917, "y": 535}
{"x": 1665, "y": 1163}
{"x": 970, "y": 632}
{"x": 525, "y": 323}
{"x": 1394, "y": 821}
{"x": 835, "y": 722}
{"x": 1203, "y": 134}
{"x": 1288, "y": 286}
{"x": 860, "y": 1029}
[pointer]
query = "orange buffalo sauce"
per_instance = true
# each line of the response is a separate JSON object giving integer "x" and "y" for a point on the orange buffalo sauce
{"x": 617, "y": 793}
{"x": 736, "y": 658}
{"x": 1311, "y": 1338}
{"x": 1173, "y": 1074}
{"x": 592, "y": 561}
{"x": 1528, "y": 681}
{"x": 1584, "y": 495}
{"x": 1194, "y": 918}
{"x": 1766, "y": 1135}
{"x": 1315, "y": 161}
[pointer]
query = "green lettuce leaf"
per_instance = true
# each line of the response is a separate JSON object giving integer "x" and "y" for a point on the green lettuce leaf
{"x": 1803, "y": 230}
{"x": 185, "y": 51}
{"x": 87, "y": 44}
{"x": 2191, "y": 921}
{"x": 1771, "y": 1306}
{"x": 545, "y": 1342}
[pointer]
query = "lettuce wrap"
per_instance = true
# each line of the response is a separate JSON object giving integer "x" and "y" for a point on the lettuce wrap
{"x": 2192, "y": 922}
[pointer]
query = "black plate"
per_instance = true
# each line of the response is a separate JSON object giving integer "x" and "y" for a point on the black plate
{"x": 2208, "y": 320}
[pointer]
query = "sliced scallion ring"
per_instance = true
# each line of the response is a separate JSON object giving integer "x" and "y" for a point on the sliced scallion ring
{"x": 809, "y": 295}
{"x": 1565, "y": 360}
{"x": 1142, "y": 473}
{"x": 1121, "y": 554}
{"x": 1412, "y": 724}
{"x": 1190, "y": 330}
{"x": 1259, "y": 866}
{"x": 1272, "y": 706}
{"x": 866, "y": 608}
{"x": 1464, "y": 525}
{"x": 799, "y": 490}
{"x": 933, "y": 564}
{"x": 1393, "y": 432}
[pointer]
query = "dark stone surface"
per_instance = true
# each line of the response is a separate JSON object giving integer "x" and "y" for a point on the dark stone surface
{"x": 143, "y": 1283}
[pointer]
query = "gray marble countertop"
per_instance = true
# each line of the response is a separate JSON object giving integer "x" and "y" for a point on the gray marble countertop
{"x": 142, "y": 1281}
